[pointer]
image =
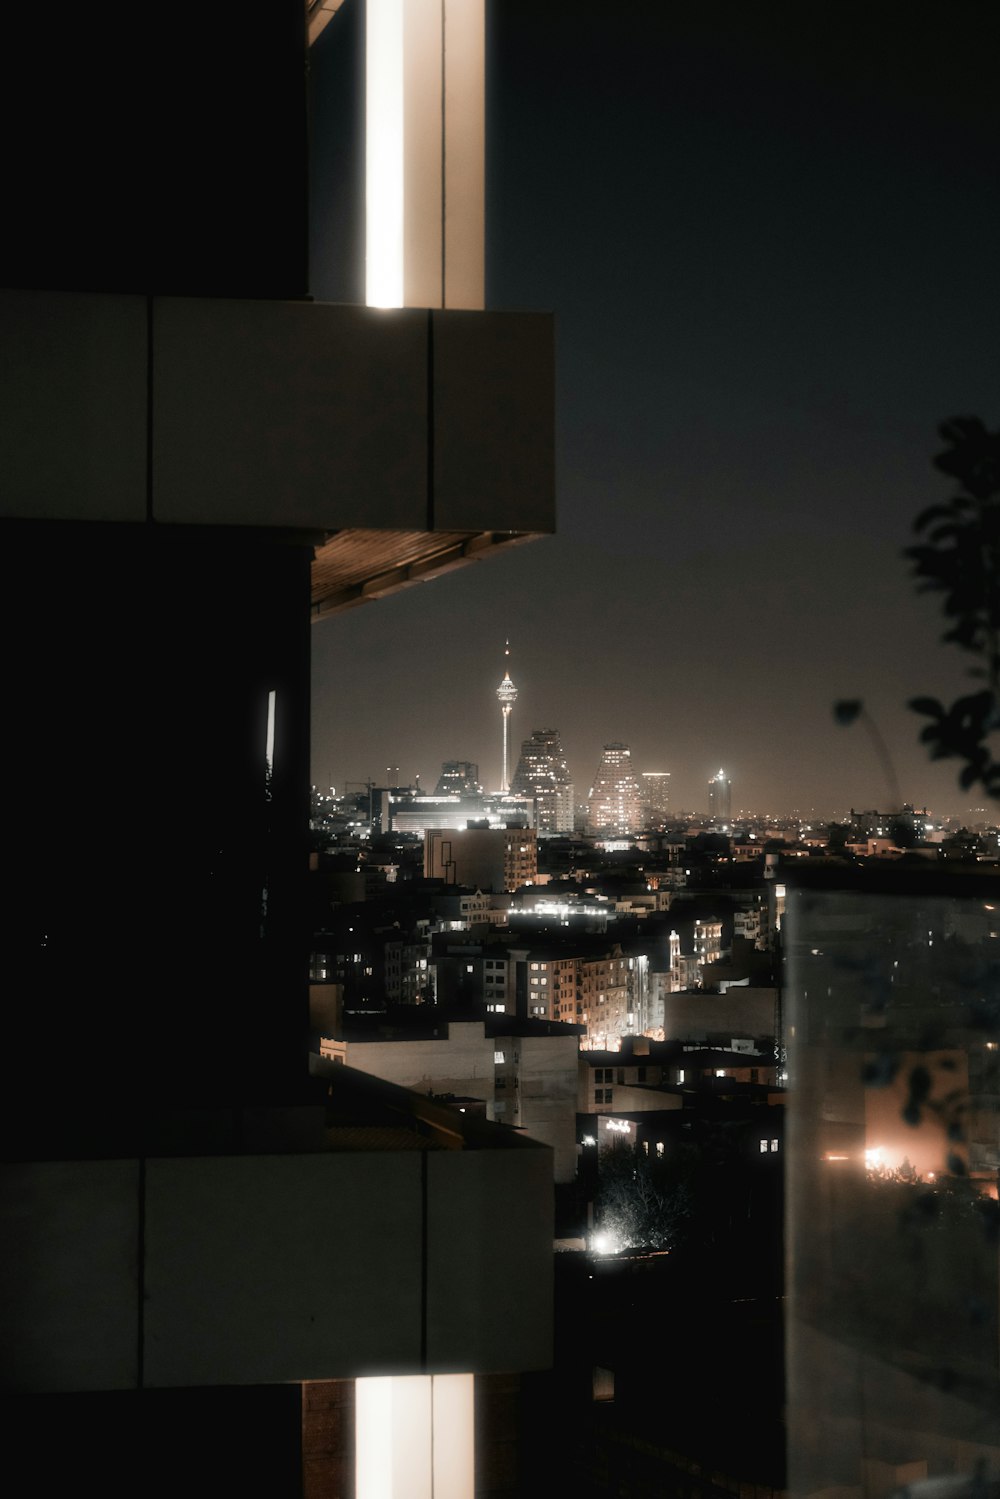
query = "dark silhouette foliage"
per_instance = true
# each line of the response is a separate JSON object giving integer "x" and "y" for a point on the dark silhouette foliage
{"x": 958, "y": 556}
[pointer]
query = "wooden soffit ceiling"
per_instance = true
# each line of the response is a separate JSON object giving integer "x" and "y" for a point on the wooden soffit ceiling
{"x": 355, "y": 566}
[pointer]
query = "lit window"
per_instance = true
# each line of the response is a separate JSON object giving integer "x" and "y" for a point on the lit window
{"x": 774, "y": 1144}
{"x": 498, "y": 1056}
{"x": 720, "y": 1072}
{"x": 659, "y": 1147}
{"x": 534, "y": 967}
{"x": 680, "y": 1074}
{"x": 469, "y": 968}
{"x": 763, "y": 1147}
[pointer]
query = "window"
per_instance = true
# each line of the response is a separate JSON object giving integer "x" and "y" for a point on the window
{"x": 645, "y": 1147}
{"x": 774, "y": 1144}
{"x": 469, "y": 968}
{"x": 763, "y": 1147}
{"x": 659, "y": 1147}
{"x": 498, "y": 1056}
{"x": 642, "y": 1074}
{"x": 680, "y": 1074}
{"x": 534, "y": 967}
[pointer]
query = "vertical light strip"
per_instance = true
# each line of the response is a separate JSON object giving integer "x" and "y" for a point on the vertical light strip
{"x": 384, "y": 153}
{"x": 415, "y": 1437}
{"x": 464, "y": 154}
{"x": 454, "y": 1436}
{"x": 372, "y": 1432}
{"x": 269, "y": 749}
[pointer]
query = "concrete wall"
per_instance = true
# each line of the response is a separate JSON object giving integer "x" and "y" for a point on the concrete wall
{"x": 548, "y": 1078}
{"x": 626, "y": 1100}
{"x": 739, "y": 1012}
{"x": 274, "y": 413}
{"x": 236, "y": 1270}
{"x": 463, "y": 1063}
{"x": 460, "y": 1062}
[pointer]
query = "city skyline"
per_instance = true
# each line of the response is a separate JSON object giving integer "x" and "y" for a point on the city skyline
{"x": 763, "y": 246}
{"x": 690, "y": 792}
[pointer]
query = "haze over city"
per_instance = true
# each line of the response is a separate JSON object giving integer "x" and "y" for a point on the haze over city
{"x": 764, "y": 249}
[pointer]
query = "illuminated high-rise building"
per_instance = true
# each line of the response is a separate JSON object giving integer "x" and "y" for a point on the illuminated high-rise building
{"x": 458, "y": 778}
{"x": 506, "y": 697}
{"x": 655, "y": 786}
{"x": 542, "y": 773}
{"x": 616, "y": 796}
{"x": 720, "y": 799}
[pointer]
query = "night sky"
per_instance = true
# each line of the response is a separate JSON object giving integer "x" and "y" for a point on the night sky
{"x": 770, "y": 236}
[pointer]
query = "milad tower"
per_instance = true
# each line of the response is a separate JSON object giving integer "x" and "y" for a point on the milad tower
{"x": 506, "y": 697}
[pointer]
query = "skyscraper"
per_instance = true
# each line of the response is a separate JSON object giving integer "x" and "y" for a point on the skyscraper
{"x": 615, "y": 797}
{"x": 542, "y": 773}
{"x": 458, "y": 778}
{"x": 655, "y": 785}
{"x": 506, "y": 697}
{"x": 720, "y": 799}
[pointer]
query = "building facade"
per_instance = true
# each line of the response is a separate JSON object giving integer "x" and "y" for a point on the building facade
{"x": 615, "y": 804}
{"x": 197, "y": 456}
{"x": 490, "y": 858}
{"x": 543, "y": 775}
{"x": 720, "y": 800}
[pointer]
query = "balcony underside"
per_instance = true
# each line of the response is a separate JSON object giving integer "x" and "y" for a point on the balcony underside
{"x": 355, "y": 566}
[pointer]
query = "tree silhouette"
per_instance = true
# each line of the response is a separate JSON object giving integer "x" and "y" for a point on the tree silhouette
{"x": 958, "y": 555}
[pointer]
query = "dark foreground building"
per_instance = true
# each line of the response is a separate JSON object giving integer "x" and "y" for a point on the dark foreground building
{"x": 193, "y": 454}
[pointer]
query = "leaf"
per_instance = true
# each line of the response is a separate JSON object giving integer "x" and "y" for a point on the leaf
{"x": 920, "y": 1083}
{"x": 880, "y": 1071}
{"x": 949, "y": 528}
{"x": 928, "y": 705}
{"x": 933, "y": 512}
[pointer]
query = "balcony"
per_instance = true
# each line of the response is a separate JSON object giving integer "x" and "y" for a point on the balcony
{"x": 269, "y": 1236}
{"x": 404, "y": 443}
